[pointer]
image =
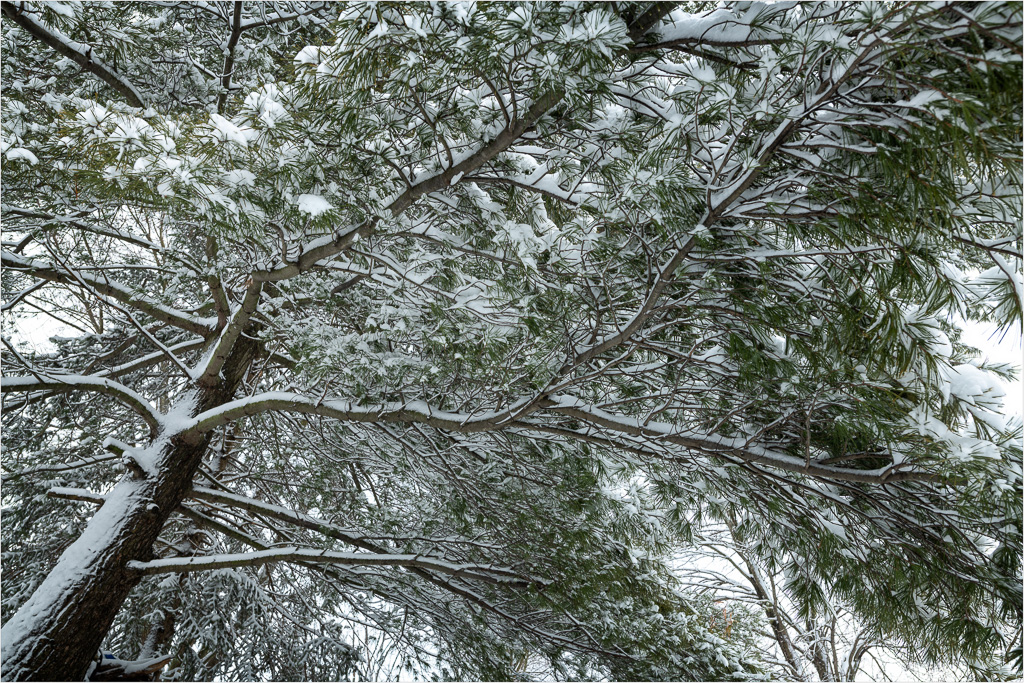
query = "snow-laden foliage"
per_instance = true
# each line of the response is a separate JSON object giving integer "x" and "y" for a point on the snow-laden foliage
{"x": 421, "y": 335}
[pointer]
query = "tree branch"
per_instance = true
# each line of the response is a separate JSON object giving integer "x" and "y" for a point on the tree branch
{"x": 229, "y": 58}
{"x": 488, "y": 421}
{"x": 75, "y": 51}
{"x": 485, "y": 573}
{"x": 298, "y": 519}
{"x": 314, "y": 252}
{"x": 725, "y": 446}
{"x": 81, "y": 495}
{"x": 130, "y": 398}
{"x": 48, "y": 271}
{"x": 230, "y": 334}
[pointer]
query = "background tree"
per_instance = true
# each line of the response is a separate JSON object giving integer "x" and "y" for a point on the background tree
{"x": 816, "y": 638}
{"x": 452, "y": 325}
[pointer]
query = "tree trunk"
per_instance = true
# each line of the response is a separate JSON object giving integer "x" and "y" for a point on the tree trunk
{"x": 56, "y": 634}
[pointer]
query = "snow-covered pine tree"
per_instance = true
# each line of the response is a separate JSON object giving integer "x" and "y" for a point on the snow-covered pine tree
{"x": 814, "y": 634}
{"x": 444, "y": 321}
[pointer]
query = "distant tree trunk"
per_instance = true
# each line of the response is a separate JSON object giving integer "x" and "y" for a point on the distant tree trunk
{"x": 56, "y": 634}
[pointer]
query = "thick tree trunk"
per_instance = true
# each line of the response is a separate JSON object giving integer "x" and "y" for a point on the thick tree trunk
{"x": 58, "y": 631}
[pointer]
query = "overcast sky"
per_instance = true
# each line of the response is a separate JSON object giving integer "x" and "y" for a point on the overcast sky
{"x": 1000, "y": 349}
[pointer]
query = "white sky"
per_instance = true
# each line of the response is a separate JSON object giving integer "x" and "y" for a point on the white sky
{"x": 1000, "y": 349}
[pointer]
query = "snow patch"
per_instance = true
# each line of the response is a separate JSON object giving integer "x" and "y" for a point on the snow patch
{"x": 974, "y": 385}
{"x": 20, "y": 153}
{"x": 226, "y": 131}
{"x": 313, "y": 204}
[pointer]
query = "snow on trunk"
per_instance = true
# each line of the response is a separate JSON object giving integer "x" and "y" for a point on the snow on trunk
{"x": 55, "y": 635}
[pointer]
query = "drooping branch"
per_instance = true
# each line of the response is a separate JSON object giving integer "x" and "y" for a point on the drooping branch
{"x": 141, "y": 363}
{"x": 151, "y": 359}
{"x": 305, "y": 521}
{"x": 442, "y": 580}
{"x": 75, "y": 276}
{"x": 18, "y": 296}
{"x": 226, "y": 529}
{"x": 485, "y": 573}
{"x": 63, "y": 383}
{"x": 66, "y": 467}
{"x": 489, "y": 421}
{"x": 712, "y": 444}
{"x": 74, "y": 220}
{"x": 73, "y": 50}
{"x": 48, "y": 271}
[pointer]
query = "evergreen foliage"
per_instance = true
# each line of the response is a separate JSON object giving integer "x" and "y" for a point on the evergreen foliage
{"x": 478, "y": 313}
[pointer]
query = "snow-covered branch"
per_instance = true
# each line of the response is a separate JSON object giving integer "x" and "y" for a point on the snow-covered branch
{"x": 220, "y": 350}
{"x": 484, "y": 573}
{"x": 47, "y": 271}
{"x": 474, "y": 293}
{"x": 77, "y": 52}
{"x": 60, "y": 383}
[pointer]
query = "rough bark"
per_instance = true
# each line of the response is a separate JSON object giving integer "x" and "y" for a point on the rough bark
{"x": 58, "y": 631}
